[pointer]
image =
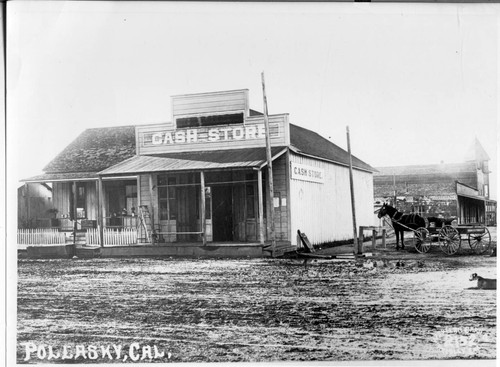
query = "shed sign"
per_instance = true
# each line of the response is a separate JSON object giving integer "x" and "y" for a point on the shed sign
{"x": 304, "y": 172}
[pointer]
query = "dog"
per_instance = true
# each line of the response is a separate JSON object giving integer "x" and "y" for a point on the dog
{"x": 484, "y": 283}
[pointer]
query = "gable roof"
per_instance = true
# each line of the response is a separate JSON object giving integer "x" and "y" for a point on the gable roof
{"x": 476, "y": 152}
{"x": 94, "y": 150}
{"x": 311, "y": 143}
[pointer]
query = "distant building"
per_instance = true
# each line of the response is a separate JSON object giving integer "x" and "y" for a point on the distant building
{"x": 34, "y": 206}
{"x": 458, "y": 190}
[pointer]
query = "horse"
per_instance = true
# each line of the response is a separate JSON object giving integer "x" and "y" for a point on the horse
{"x": 401, "y": 222}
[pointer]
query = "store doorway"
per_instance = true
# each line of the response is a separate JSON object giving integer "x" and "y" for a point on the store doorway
{"x": 222, "y": 213}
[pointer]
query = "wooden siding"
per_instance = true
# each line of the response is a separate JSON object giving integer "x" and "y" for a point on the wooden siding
{"x": 323, "y": 211}
{"x": 210, "y": 103}
{"x": 281, "y": 220}
{"x": 145, "y": 194}
{"x": 92, "y": 202}
{"x": 60, "y": 193}
{"x": 279, "y": 131}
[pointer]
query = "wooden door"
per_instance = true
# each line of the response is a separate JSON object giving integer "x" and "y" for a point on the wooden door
{"x": 222, "y": 213}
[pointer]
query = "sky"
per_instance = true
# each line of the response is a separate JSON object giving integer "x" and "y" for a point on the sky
{"x": 415, "y": 83}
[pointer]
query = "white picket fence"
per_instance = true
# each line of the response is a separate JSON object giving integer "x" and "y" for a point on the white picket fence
{"x": 40, "y": 236}
{"x": 112, "y": 237}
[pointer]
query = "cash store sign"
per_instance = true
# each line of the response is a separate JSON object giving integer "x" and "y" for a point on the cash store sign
{"x": 305, "y": 172}
{"x": 204, "y": 135}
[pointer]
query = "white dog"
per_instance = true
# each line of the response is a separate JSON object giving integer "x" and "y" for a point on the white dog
{"x": 484, "y": 283}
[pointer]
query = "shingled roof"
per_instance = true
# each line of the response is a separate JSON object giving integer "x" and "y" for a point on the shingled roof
{"x": 427, "y": 169}
{"x": 311, "y": 143}
{"x": 97, "y": 149}
{"x": 94, "y": 150}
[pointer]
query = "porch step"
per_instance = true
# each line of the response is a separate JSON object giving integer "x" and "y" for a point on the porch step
{"x": 88, "y": 252}
{"x": 78, "y": 240}
{"x": 280, "y": 249}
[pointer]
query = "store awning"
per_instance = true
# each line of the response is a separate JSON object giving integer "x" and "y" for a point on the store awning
{"x": 469, "y": 192}
{"x": 478, "y": 198}
{"x": 194, "y": 161}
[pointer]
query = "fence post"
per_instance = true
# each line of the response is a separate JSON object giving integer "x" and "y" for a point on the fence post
{"x": 374, "y": 239}
{"x": 359, "y": 250}
{"x": 384, "y": 233}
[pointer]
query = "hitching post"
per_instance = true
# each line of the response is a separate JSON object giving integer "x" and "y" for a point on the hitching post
{"x": 270, "y": 202}
{"x": 351, "y": 182}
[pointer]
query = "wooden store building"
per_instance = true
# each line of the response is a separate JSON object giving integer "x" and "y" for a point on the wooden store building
{"x": 199, "y": 182}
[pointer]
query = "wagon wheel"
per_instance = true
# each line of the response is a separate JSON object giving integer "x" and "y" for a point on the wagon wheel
{"x": 480, "y": 242}
{"x": 422, "y": 240}
{"x": 449, "y": 240}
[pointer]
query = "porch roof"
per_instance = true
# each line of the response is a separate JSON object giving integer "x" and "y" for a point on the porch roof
{"x": 192, "y": 161}
{"x": 63, "y": 176}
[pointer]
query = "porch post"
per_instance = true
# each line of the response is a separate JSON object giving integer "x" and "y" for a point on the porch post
{"x": 139, "y": 203}
{"x": 27, "y": 203}
{"x": 100, "y": 222}
{"x": 484, "y": 213}
{"x": 151, "y": 193}
{"x": 261, "y": 207}
{"x": 202, "y": 209}
{"x": 74, "y": 212}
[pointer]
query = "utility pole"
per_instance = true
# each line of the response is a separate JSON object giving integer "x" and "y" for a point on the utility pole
{"x": 270, "y": 202}
{"x": 353, "y": 201}
{"x": 394, "y": 186}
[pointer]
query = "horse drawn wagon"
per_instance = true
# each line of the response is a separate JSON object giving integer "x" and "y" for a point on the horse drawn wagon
{"x": 427, "y": 231}
{"x": 450, "y": 237}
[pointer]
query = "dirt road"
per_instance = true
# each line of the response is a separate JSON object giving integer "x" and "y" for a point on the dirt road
{"x": 257, "y": 310}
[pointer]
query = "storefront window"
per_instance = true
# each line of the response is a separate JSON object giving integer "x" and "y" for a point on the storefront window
{"x": 167, "y": 197}
{"x": 208, "y": 203}
{"x": 250, "y": 198}
{"x": 214, "y": 120}
{"x": 131, "y": 199}
{"x": 163, "y": 210}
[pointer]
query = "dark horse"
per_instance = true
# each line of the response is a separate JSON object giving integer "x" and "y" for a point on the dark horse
{"x": 401, "y": 222}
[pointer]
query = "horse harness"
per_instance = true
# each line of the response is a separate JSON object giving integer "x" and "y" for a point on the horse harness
{"x": 413, "y": 216}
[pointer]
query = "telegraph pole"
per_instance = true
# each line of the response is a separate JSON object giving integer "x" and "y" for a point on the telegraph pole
{"x": 394, "y": 187}
{"x": 270, "y": 202}
{"x": 351, "y": 182}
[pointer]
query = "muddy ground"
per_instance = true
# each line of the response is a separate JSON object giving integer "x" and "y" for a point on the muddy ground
{"x": 259, "y": 309}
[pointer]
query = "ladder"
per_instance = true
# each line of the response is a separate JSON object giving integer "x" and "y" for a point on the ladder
{"x": 145, "y": 222}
